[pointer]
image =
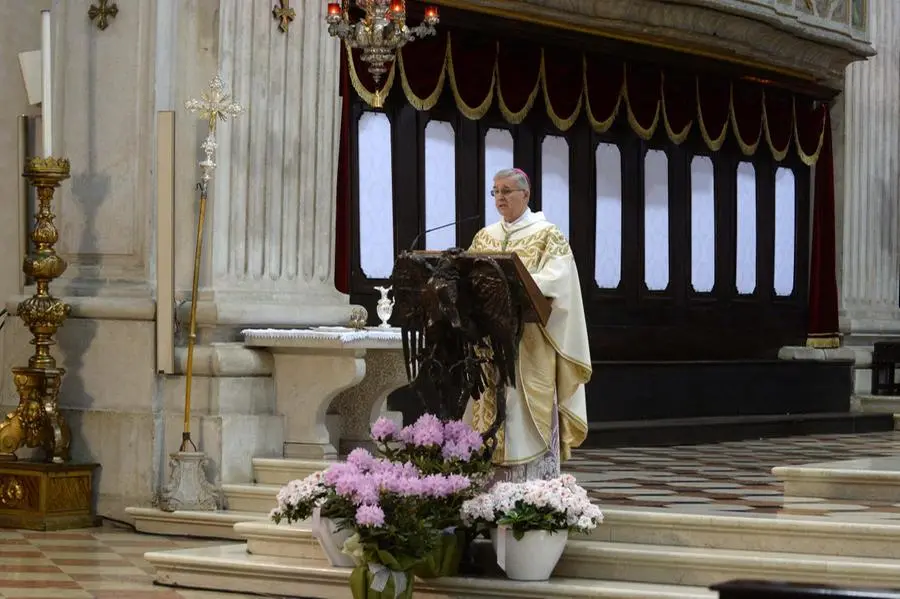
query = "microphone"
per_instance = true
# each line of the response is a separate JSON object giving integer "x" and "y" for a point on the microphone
{"x": 412, "y": 246}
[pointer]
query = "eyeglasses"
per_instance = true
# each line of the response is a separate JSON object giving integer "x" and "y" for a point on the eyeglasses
{"x": 503, "y": 192}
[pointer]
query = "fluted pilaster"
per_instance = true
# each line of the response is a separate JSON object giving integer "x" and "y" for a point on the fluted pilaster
{"x": 273, "y": 219}
{"x": 868, "y": 161}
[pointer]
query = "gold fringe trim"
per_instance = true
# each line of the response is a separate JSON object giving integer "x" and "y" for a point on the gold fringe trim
{"x": 429, "y": 101}
{"x": 713, "y": 143}
{"x": 749, "y": 149}
{"x": 472, "y": 113}
{"x": 563, "y": 124}
{"x": 778, "y": 154}
{"x": 808, "y": 159}
{"x": 677, "y": 137}
{"x": 374, "y": 99}
{"x": 825, "y": 341}
{"x": 643, "y": 133}
{"x": 600, "y": 126}
{"x": 514, "y": 118}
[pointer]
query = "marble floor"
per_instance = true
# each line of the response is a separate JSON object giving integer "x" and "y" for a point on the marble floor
{"x": 729, "y": 478}
{"x": 725, "y": 478}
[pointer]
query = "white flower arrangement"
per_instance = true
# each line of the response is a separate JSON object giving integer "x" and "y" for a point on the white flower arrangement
{"x": 552, "y": 505}
{"x": 298, "y": 498}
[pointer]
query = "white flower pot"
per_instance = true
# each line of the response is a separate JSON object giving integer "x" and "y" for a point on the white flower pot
{"x": 533, "y": 557}
{"x": 332, "y": 540}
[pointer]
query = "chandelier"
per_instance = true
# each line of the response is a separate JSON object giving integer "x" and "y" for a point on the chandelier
{"x": 380, "y": 32}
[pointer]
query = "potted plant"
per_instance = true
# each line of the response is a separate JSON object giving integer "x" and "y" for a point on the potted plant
{"x": 311, "y": 498}
{"x": 394, "y": 525}
{"x": 440, "y": 448}
{"x": 530, "y": 522}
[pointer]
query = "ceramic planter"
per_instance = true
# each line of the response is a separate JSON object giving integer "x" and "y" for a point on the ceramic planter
{"x": 533, "y": 557}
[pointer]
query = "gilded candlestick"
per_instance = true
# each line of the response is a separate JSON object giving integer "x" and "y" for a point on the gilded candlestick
{"x": 37, "y": 421}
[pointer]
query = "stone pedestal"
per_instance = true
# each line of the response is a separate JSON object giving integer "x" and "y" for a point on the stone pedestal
{"x": 313, "y": 366}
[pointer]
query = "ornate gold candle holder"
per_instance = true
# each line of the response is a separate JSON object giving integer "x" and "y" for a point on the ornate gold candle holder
{"x": 37, "y": 421}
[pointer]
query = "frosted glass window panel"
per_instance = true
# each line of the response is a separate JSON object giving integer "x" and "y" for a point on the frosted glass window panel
{"x": 608, "y": 228}
{"x": 376, "y": 196}
{"x": 656, "y": 220}
{"x": 745, "y": 266}
{"x": 498, "y": 155}
{"x": 785, "y": 223}
{"x": 555, "y": 181}
{"x": 703, "y": 224}
{"x": 440, "y": 184}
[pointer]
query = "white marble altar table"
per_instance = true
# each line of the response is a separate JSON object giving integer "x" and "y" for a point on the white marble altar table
{"x": 325, "y": 371}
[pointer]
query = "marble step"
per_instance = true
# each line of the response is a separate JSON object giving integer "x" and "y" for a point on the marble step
{"x": 256, "y": 498}
{"x": 809, "y": 534}
{"x": 700, "y": 566}
{"x": 210, "y": 525}
{"x": 668, "y": 529}
{"x": 276, "y": 471}
{"x": 636, "y": 562}
{"x": 864, "y": 479}
{"x": 232, "y": 568}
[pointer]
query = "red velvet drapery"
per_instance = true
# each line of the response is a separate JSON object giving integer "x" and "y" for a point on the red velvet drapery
{"x": 342, "y": 209}
{"x": 823, "y": 330}
{"x": 512, "y": 74}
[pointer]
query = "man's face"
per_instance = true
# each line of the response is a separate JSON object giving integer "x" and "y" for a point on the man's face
{"x": 509, "y": 199}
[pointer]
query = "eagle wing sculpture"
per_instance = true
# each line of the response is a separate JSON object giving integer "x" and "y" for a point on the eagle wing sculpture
{"x": 409, "y": 278}
{"x": 460, "y": 324}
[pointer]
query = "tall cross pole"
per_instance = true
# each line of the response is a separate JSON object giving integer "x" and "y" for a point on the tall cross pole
{"x": 213, "y": 106}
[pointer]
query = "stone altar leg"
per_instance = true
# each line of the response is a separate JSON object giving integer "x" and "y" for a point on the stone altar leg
{"x": 306, "y": 382}
{"x": 361, "y": 405}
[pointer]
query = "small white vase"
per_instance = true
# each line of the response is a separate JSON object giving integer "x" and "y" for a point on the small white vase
{"x": 533, "y": 557}
{"x": 332, "y": 540}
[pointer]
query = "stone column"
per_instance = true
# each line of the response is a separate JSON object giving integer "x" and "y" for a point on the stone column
{"x": 867, "y": 194}
{"x": 867, "y": 164}
{"x": 271, "y": 242}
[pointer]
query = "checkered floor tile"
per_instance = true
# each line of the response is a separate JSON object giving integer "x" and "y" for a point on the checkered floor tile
{"x": 104, "y": 563}
{"x": 727, "y": 477}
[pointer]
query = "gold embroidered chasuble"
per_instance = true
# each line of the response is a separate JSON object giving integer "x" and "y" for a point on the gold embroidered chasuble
{"x": 554, "y": 362}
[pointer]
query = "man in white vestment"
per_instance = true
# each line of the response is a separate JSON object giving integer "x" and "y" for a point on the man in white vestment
{"x": 546, "y": 412}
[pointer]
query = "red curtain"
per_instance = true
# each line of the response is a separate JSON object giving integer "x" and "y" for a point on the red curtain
{"x": 342, "y": 207}
{"x": 481, "y": 71}
{"x": 823, "y": 297}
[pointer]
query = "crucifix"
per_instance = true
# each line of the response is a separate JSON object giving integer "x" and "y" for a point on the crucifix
{"x": 284, "y": 13}
{"x": 103, "y": 13}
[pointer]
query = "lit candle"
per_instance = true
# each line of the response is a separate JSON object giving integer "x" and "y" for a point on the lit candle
{"x": 431, "y": 12}
{"x": 397, "y": 7}
{"x": 334, "y": 8}
{"x": 46, "y": 85}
